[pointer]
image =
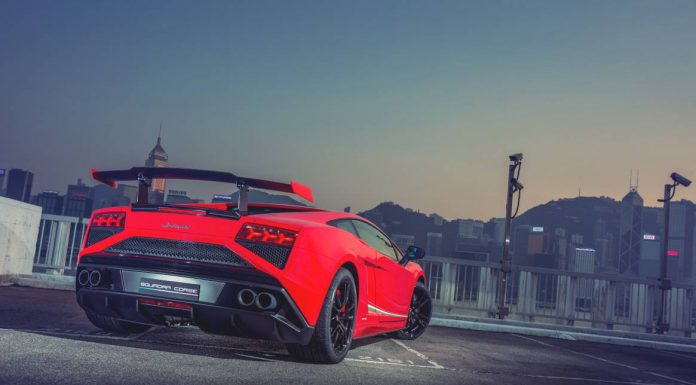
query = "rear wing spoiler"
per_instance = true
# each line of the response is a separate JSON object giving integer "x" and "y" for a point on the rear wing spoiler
{"x": 145, "y": 175}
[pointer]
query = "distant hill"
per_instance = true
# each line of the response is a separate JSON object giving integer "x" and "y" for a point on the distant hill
{"x": 587, "y": 216}
{"x": 259, "y": 196}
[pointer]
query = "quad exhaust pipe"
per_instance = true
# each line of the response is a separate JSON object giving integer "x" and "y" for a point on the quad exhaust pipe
{"x": 91, "y": 278}
{"x": 246, "y": 297}
{"x": 83, "y": 278}
{"x": 95, "y": 278}
{"x": 263, "y": 300}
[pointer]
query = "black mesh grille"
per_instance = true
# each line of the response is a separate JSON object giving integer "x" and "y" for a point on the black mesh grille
{"x": 99, "y": 234}
{"x": 276, "y": 255}
{"x": 181, "y": 250}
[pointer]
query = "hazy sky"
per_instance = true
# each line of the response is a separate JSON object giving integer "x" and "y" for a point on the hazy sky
{"x": 414, "y": 102}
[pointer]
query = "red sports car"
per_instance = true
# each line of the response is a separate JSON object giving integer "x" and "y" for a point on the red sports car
{"x": 313, "y": 279}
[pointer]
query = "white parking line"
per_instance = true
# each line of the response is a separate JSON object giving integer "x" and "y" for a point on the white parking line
{"x": 392, "y": 363}
{"x": 605, "y": 360}
{"x": 586, "y": 380}
{"x": 671, "y": 378}
{"x": 679, "y": 355}
{"x": 419, "y": 354}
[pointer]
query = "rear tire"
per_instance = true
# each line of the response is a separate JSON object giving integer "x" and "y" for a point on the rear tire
{"x": 115, "y": 325}
{"x": 333, "y": 333}
{"x": 418, "y": 315}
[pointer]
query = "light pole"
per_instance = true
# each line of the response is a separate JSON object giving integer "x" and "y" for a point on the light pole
{"x": 514, "y": 186}
{"x": 666, "y": 284}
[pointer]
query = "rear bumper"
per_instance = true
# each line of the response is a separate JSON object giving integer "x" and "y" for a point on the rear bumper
{"x": 215, "y": 309}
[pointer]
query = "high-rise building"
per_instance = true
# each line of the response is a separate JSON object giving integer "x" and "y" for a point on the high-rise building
{"x": 649, "y": 266}
{"x": 681, "y": 239}
{"x": 2, "y": 181}
{"x": 584, "y": 262}
{"x": 433, "y": 244}
{"x": 630, "y": 233}
{"x": 499, "y": 230}
{"x": 403, "y": 241}
{"x": 19, "y": 184}
{"x": 50, "y": 201}
{"x": 469, "y": 234}
{"x": 178, "y": 196}
{"x": 520, "y": 243}
{"x": 105, "y": 196}
{"x": 157, "y": 158}
{"x": 77, "y": 200}
{"x": 221, "y": 198}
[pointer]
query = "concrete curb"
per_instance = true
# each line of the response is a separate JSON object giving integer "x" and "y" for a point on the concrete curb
{"x": 44, "y": 281}
{"x": 568, "y": 335}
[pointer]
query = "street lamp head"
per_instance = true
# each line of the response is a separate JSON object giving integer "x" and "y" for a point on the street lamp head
{"x": 516, "y": 157}
{"x": 679, "y": 179}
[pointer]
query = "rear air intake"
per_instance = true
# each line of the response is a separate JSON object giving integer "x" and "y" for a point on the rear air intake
{"x": 178, "y": 250}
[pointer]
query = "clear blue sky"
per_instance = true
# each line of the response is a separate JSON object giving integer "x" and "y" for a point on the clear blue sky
{"x": 414, "y": 102}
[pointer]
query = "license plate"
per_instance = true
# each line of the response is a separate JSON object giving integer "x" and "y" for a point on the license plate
{"x": 179, "y": 290}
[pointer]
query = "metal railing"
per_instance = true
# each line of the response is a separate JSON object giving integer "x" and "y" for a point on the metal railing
{"x": 466, "y": 287}
{"x": 463, "y": 287}
{"x": 59, "y": 242}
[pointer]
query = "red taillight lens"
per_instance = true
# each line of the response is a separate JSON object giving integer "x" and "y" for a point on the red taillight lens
{"x": 115, "y": 219}
{"x": 267, "y": 234}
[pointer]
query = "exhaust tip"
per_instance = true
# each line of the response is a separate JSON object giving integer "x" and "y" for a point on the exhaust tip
{"x": 246, "y": 297}
{"x": 83, "y": 278}
{"x": 95, "y": 278}
{"x": 266, "y": 301}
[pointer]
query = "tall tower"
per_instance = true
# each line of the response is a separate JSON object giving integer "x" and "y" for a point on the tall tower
{"x": 157, "y": 158}
{"x": 630, "y": 231}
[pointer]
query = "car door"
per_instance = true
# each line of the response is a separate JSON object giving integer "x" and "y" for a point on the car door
{"x": 391, "y": 278}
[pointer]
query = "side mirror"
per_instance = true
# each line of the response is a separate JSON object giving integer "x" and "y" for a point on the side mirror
{"x": 414, "y": 253}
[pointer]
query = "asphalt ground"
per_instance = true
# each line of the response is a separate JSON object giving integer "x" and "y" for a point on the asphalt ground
{"x": 46, "y": 339}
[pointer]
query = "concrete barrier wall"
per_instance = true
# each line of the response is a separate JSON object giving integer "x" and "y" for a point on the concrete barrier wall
{"x": 19, "y": 229}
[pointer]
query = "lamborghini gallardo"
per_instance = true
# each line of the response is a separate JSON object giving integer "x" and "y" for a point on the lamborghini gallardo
{"x": 312, "y": 279}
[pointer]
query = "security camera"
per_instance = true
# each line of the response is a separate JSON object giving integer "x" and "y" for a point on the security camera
{"x": 516, "y": 157}
{"x": 680, "y": 179}
{"x": 516, "y": 184}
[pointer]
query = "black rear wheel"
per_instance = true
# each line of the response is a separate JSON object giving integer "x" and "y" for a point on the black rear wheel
{"x": 115, "y": 325}
{"x": 333, "y": 333}
{"x": 418, "y": 315}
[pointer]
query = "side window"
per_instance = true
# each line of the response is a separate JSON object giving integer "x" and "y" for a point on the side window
{"x": 344, "y": 224}
{"x": 376, "y": 239}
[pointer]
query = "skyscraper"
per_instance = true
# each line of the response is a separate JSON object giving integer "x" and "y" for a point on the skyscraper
{"x": 681, "y": 239}
{"x": 630, "y": 232}
{"x": 157, "y": 158}
{"x": 77, "y": 200}
{"x": 50, "y": 201}
{"x": 2, "y": 181}
{"x": 19, "y": 184}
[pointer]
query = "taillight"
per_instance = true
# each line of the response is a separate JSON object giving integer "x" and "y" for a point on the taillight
{"x": 113, "y": 219}
{"x": 267, "y": 234}
{"x": 104, "y": 225}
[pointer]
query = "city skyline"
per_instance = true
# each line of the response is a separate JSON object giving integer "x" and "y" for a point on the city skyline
{"x": 421, "y": 107}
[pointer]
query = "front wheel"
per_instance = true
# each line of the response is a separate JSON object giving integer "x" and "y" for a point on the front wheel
{"x": 418, "y": 315}
{"x": 333, "y": 333}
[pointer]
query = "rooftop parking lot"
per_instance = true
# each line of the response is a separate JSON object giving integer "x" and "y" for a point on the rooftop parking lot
{"x": 45, "y": 338}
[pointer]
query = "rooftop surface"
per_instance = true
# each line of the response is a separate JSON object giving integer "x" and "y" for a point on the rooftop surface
{"x": 45, "y": 338}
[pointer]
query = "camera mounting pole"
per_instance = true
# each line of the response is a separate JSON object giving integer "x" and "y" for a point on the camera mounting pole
{"x": 513, "y": 186}
{"x": 662, "y": 326}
